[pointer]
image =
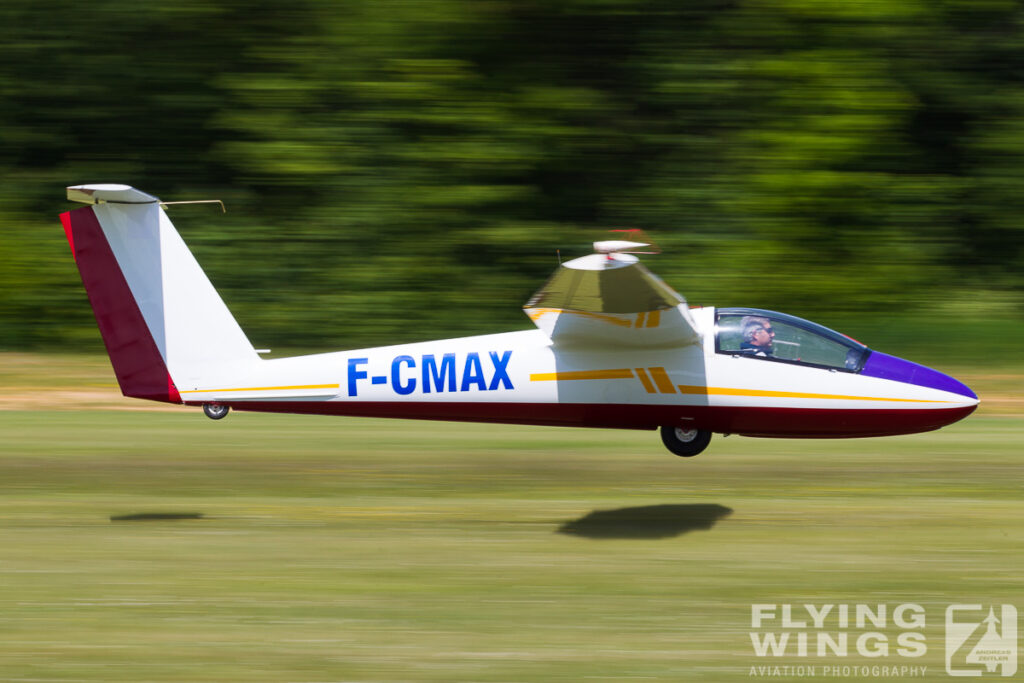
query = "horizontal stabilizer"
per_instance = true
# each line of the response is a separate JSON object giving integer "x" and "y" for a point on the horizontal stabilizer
{"x": 108, "y": 193}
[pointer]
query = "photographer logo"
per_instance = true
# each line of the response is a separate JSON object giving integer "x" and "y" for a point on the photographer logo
{"x": 981, "y": 640}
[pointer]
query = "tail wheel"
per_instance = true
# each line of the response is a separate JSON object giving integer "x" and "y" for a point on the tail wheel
{"x": 216, "y": 411}
{"x": 683, "y": 442}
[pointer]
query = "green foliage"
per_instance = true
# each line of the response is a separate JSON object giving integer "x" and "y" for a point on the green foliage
{"x": 396, "y": 171}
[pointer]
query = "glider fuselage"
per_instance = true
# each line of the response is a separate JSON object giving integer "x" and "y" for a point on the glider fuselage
{"x": 614, "y": 347}
{"x": 521, "y": 377}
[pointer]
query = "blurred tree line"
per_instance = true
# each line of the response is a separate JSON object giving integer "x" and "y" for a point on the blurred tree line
{"x": 398, "y": 170}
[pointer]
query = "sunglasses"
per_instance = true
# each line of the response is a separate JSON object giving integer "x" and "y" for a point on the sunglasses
{"x": 769, "y": 330}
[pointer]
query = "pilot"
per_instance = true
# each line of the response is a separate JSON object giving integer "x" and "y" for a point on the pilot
{"x": 758, "y": 336}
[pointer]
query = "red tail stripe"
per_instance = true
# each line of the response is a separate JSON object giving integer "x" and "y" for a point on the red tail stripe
{"x": 138, "y": 365}
{"x": 65, "y": 220}
{"x": 172, "y": 391}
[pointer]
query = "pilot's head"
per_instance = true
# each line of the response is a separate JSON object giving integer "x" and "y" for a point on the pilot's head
{"x": 757, "y": 331}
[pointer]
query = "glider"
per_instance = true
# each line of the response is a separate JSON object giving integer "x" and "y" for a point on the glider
{"x": 614, "y": 346}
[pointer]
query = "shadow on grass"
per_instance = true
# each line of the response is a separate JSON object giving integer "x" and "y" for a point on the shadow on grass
{"x": 652, "y": 521}
{"x": 156, "y": 516}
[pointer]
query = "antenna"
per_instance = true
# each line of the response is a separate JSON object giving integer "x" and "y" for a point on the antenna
{"x": 199, "y": 201}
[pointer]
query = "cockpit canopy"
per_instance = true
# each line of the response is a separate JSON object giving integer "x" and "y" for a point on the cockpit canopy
{"x": 772, "y": 336}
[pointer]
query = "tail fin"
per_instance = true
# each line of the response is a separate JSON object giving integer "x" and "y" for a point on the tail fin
{"x": 163, "y": 323}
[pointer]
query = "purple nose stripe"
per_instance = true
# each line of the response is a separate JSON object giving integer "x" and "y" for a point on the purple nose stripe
{"x": 884, "y": 366}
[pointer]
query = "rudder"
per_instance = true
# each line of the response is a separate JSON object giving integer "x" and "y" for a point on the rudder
{"x": 162, "y": 322}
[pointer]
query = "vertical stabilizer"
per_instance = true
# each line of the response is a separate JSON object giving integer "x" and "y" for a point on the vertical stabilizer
{"x": 163, "y": 323}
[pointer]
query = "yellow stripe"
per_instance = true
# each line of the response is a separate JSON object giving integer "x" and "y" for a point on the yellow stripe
{"x": 662, "y": 380}
{"x": 606, "y": 318}
{"x": 725, "y": 391}
{"x": 537, "y": 313}
{"x": 622, "y": 373}
{"x": 645, "y": 380}
{"x": 304, "y": 386}
{"x": 644, "y": 319}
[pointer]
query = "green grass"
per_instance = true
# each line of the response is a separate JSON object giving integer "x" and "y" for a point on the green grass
{"x": 361, "y": 550}
{"x": 20, "y": 371}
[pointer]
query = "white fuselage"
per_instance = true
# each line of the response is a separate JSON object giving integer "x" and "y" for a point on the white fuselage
{"x": 522, "y": 377}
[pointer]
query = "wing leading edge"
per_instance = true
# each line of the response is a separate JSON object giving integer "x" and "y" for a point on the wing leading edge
{"x": 611, "y": 300}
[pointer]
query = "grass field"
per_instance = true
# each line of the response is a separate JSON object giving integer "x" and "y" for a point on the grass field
{"x": 161, "y": 546}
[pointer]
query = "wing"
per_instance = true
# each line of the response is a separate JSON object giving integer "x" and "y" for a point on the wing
{"x": 611, "y": 300}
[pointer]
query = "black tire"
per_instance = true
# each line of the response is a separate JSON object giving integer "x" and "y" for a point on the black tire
{"x": 216, "y": 411}
{"x": 685, "y": 443}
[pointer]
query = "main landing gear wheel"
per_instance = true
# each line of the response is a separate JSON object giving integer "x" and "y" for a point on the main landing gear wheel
{"x": 216, "y": 411}
{"x": 683, "y": 442}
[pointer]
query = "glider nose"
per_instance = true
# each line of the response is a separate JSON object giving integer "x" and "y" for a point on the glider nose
{"x": 884, "y": 366}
